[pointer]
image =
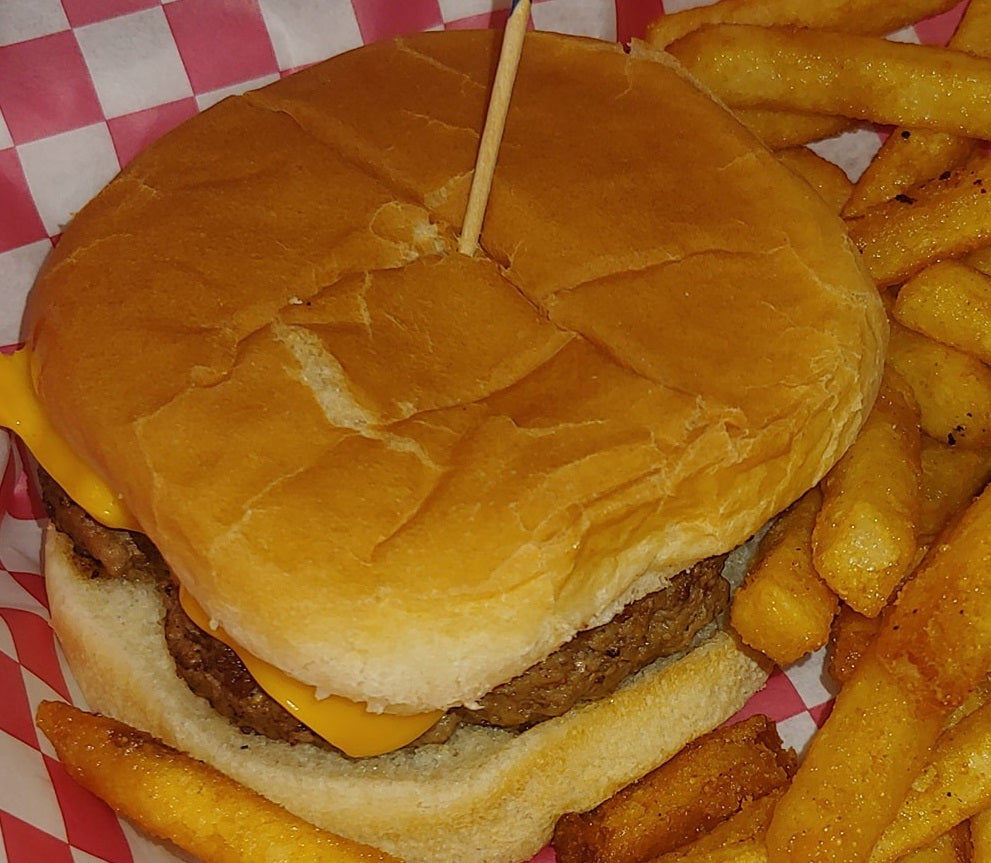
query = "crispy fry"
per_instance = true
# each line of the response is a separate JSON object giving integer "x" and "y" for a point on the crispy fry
{"x": 949, "y": 302}
{"x": 747, "y": 851}
{"x": 933, "y": 648}
{"x": 857, "y": 76}
{"x": 845, "y": 74}
{"x": 909, "y": 157}
{"x": 849, "y": 637}
{"x": 946, "y": 218}
{"x": 977, "y": 698}
{"x": 741, "y": 834}
{"x": 937, "y": 636}
{"x": 952, "y": 847}
{"x": 951, "y": 477}
{"x": 858, "y": 16}
{"x": 865, "y": 533}
{"x": 783, "y": 608}
{"x": 705, "y": 783}
{"x": 856, "y": 770}
{"x": 980, "y": 837}
{"x": 781, "y": 129}
{"x": 952, "y": 787}
{"x": 827, "y": 179}
{"x": 175, "y": 797}
{"x": 974, "y": 30}
{"x": 953, "y": 389}
{"x": 980, "y": 259}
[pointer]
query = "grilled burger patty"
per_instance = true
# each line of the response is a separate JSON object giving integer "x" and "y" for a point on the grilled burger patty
{"x": 589, "y": 666}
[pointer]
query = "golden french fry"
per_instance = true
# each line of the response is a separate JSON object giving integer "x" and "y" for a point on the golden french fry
{"x": 937, "y": 636}
{"x": 845, "y": 74}
{"x": 951, "y": 303}
{"x": 865, "y": 535}
{"x": 856, "y": 770}
{"x": 781, "y": 129}
{"x": 952, "y": 847}
{"x": 907, "y": 158}
{"x": 739, "y": 837}
{"x": 747, "y": 851}
{"x": 859, "y": 16}
{"x": 977, "y": 698}
{"x": 951, "y": 477}
{"x": 973, "y": 33}
{"x": 828, "y": 179}
{"x": 932, "y": 649}
{"x": 849, "y": 638}
{"x": 702, "y": 785}
{"x": 980, "y": 837}
{"x": 953, "y": 786}
{"x": 980, "y": 259}
{"x": 783, "y": 608}
{"x": 911, "y": 157}
{"x": 946, "y": 218}
{"x": 953, "y": 389}
{"x": 175, "y": 797}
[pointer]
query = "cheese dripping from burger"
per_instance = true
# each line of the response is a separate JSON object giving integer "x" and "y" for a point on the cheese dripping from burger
{"x": 343, "y": 723}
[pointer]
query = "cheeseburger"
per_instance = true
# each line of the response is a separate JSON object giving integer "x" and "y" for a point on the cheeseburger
{"x": 430, "y": 548}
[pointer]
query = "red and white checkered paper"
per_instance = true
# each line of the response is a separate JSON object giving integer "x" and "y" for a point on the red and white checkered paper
{"x": 84, "y": 86}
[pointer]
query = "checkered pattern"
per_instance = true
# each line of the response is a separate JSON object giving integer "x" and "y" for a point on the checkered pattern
{"x": 84, "y": 86}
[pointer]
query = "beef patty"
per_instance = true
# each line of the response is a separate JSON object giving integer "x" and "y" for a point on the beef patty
{"x": 589, "y": 666}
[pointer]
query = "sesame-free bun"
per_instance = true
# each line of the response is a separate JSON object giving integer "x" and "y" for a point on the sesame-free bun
{"x": 404, "y": 475}
{"x": 485, "y": 796}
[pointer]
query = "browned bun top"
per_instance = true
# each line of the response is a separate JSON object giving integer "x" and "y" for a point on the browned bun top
{"x": 404, "y": 475}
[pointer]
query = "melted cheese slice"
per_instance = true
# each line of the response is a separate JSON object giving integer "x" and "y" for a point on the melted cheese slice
{"x": 22, "y": 412}
{"x": 343, "y": 723}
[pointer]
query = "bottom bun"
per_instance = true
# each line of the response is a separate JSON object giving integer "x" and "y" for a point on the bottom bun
{"x": 485, "y": 796}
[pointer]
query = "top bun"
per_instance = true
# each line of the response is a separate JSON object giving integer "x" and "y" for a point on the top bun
{"x": 404, "y": 475}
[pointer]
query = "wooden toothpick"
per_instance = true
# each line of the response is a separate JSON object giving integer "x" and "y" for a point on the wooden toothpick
{"x": 495, "y": 123}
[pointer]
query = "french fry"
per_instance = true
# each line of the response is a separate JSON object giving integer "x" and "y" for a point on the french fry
{"x": 952, "y": 787}
{"x": 952, "y": 847}
{"x": 951, "y": 303}
{"x": 951, "y": 477}
{"x": 781, "y": 129}
{"x": 856, "y": 770}
{"x": 907, "y": 158}
{"x": 911, "y": 157}
{"x": 175, "y": 797}
{"x": 980, "y": 837}
{"x": 977, "y": 698}
{"x": 741, "y": 836}
{"x": 865, "y": 535}
{"x": 946, "y": 218}
{"x": 861, "y": 16}
{"x": 973, "y": 33}
{"x": 980, "y": 259}
{"x": 747, "y": 851}
{"x": 703, "y": 784}
{"x": 828, "y": 179}
{"x": 783, "y": 608}
{"x": 953, "y": 389}
{"x": 849, "y": 638}
{"x": 932, "y": 649}
{"x": 845, "y": 74}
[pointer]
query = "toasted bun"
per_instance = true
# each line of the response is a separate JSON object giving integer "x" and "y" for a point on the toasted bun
{"x": 485, "y": 796}
{"x": 403, "y": 475}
